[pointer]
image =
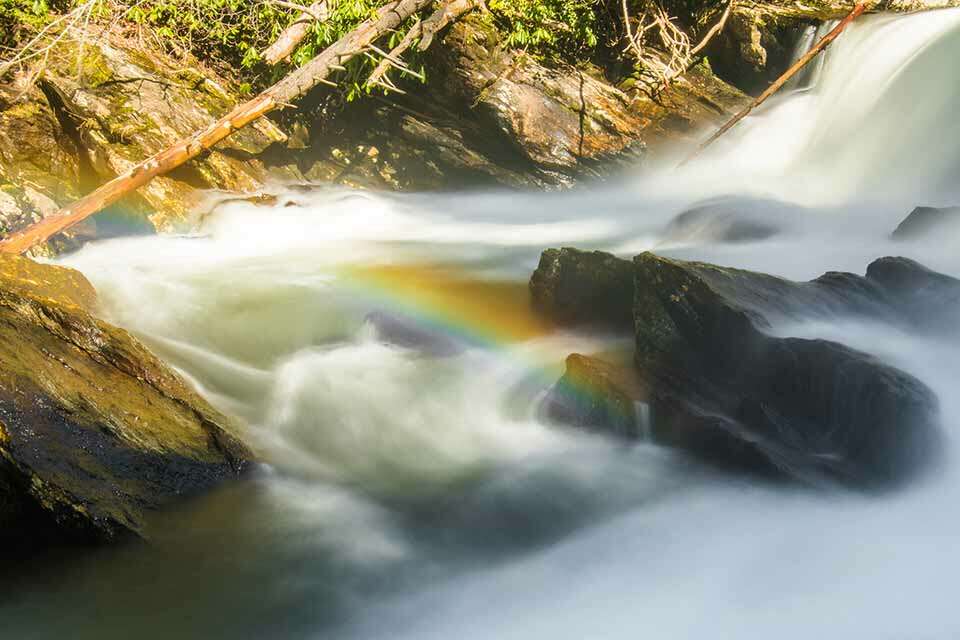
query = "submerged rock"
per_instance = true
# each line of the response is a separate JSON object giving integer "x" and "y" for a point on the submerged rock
{"x": 923, "y": 221}
{"x": 406, "y": 332}
{"x": 731, "y": 220}
{"x": 95, "y": 431}
{"x": 811, "y": 409}
{"x": 573, "y": 287}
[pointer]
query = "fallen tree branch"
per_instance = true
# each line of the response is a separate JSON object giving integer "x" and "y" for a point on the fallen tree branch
{"x": 424, "y": 31}
{"x": 292, "y": 36}
{"x": 827, "y": 40}
{"x": 713, "y": 32}
{"x": 283, "y": 93}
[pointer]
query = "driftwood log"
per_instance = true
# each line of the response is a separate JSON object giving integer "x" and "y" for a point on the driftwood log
{"x": 817, "y": 49}
{"x": 282, "y": 94}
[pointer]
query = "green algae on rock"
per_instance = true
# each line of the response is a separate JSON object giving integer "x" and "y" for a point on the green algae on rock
{"x": 95, "y": 431}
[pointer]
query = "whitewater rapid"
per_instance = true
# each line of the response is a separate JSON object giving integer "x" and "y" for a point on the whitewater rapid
{"x": 414, "y": 495}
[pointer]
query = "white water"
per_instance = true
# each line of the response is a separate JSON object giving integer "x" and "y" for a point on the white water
{"x": 413, "y": 496}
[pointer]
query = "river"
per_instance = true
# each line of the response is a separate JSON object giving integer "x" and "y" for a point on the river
{"x": 413, "y": 491}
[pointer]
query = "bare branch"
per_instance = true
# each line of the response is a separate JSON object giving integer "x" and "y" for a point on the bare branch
{"x": 293, "y": 35}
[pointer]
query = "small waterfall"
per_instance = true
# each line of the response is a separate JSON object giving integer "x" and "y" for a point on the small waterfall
{"x": 878, "y": 117}
{"x": 809, "y": 76}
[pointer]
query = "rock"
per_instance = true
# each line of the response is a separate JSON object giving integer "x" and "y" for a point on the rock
{"x": 730, "y": 220}
{"x": 38, "y": 161}
{"x": 492, "y": 117}
{"x": 95, "y": 431}
{"x": 809, "y": 409}
{"x": 573, "y": 287}
{"x": 926, "y": 300}
{"x": 127, "y": 105}
{"x": 923, "y": 221}
{"x": 74, "y": 131}
{"x": 597, "y": 395}
{"x": 406, "y": 332}
{"x": 758, "y": 45}
{"x": 760, "y": 40}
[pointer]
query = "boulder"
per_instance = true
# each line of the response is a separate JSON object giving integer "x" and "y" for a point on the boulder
{"x": 924, "y": 221}
{"x": 408, "y": 333}
{"x": 720, "y": 385}
{"x": 95, "y": 431}
{"x": 729, "y": 220}
{"x": 924, "y": 299}
{"x": 808, "y": 409}
{"x": 573, "y": 287}
{"x": 597, "y": 395}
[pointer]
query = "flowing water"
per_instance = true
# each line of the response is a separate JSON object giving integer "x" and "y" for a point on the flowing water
{"x": 411, "y": 489}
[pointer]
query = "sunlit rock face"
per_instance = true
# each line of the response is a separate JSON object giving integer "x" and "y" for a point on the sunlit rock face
{"x": 95, "y": 431}
{"x": 93, "y": 116}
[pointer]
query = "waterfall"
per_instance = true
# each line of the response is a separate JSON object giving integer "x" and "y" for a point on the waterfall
{"x": 878, "y": 120}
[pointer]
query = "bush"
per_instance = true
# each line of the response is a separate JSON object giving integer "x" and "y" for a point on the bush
{"x": 549, "y": 29}
{"x": 20, "y": 19}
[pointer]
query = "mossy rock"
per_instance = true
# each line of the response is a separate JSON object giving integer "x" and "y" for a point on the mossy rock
{"x": 95, "y": 431}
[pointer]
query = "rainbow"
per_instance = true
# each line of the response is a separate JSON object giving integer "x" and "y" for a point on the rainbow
{"x": 493, "y": 314}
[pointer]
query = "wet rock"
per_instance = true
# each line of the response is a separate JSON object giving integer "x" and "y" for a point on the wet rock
{"x": 95, "y": 431}
{"x": 760, "y": 40}
{"x": 573, "y": 287}
{"x": 924, "y": 221}
{"x": 925, "y": 299}
{"x": 808, "y": 409}
{"x": 730, "y": 220}
{"x": 406, "y": 332}
{"x": 598, "y": 395}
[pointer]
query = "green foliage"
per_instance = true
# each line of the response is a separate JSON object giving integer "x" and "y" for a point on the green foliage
{"x": 230, "y": 32}
{"x": 20, "y": 19}
{"x": 550, "y": 29}
{"x": 345, "y": 16}
{"x": 235, "y": 32}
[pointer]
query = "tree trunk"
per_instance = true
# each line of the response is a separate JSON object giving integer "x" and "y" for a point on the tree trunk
{"x": 280, "y": 95}
{"x": 782, "y": 80}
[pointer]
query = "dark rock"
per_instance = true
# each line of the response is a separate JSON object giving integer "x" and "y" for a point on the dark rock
{"x": 573, "y": 287}
{"x": 95, "y": 431}
{"x": 923, "y": 221}
{"x": 810, "y": 409}
{"x": 731, "y": 220}
{"x": 925, "y": 299}
{"x": 406, "y": 332}
{"x": 597, "y": 396}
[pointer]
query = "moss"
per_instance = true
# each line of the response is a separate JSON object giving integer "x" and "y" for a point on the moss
{"x": 23, "y": 111}
{"x": 97, "y": 425}
{"x": 94, "y": 66}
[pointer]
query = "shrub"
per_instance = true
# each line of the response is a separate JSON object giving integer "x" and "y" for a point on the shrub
{"x": 549, "y": 29}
